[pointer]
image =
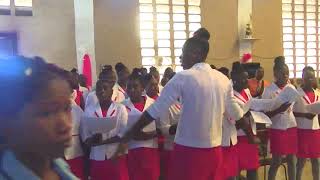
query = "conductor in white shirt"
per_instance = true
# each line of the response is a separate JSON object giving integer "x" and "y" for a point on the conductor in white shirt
{"x": 205, "y": 95}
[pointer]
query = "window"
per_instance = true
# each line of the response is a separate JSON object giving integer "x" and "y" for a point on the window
{"x": 164, "y": 27}
{"x": 5, "y": 7}
{"x": 22, "y": 7}
{"x": 300, "y": 21}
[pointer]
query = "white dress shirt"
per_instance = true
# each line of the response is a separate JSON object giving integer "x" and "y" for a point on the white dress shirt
{"x": 171, "y": 117}
{"x": 133, "y": 117}
{"x": 205, "y": 95}
{"x": 75, "y": 150}
{"x": 283, "y": 120}
{"x": 100, "y": 153}
{"x": 300, "y": 107}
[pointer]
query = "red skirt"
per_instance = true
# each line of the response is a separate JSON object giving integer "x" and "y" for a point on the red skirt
{"x": 144, "y": 164}
{"x": 308, "y": 143}
{"x": 248, "y": 154}
{"x": 107, "y": 169}
{"x": 77, "y": 167}
{"x": 165, "y": 156}
{"x": 190, "y": 163}
{"x": 230, "y": 159}
{"x": 283, "y": 142}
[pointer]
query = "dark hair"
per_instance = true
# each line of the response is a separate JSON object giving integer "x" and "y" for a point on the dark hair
{"x": 202, "y": 33}
{"x": 106, "y": 72}
{"x": 22, "y": 80}
{"x": 171, "y": 75}
{"x": 137, "y": 76}
{"x": 83, "y": 80}
{"x": 147, "y": 78}
{"x": 213, "y": 66}
{"x": 224, "y": 71}
{"x": 74, "y": 70}
{"x": 120, "y": 67}
{"x": 201, "y": 44}
{"x": 279, "y": 62}
{"x": 237, "y": 68}
{"x": 107, "y": 68}
{"x": 154, "y": 72}
{"x": 152, "y": 68}
{"x": 307, "y": 68}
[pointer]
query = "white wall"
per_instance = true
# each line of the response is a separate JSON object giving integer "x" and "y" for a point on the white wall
{"x": 49, "y": 33}
{"x": 84, "y": 33}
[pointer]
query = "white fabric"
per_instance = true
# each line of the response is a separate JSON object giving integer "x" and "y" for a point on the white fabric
{"x": 92, "y": 99}
{"x": 99, "y": 153}
{"x": 300, "y": 107}
{"x": 205, "y": 95}
{"x": 75, "y": 150}
{"x": 229, "y": 132}
{"x": 152, "y": 143}
{"x": 243, "y": 103}
{"x": 283, "y": 120}
{"x": 168, "y": 119}
{"x": 85, "y": 92}
{"x": 119, "y": 93}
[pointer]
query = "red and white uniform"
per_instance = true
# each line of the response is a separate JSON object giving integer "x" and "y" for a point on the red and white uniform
{"x": 206, "y": 95}
{"x": 248, "y": 154}
{"x": 74, "y": 154}
{"x": 229, "y": 148}
{"x": 171, "y": 117}
{"x": 283, "y": 132}
{"x": 119, "y": 93}
{"x": 85, "y": 91}
{"x": 92, "y": 99}
{"x": 77, "y": 97}
{"x": 143, "y": 158}
{"x": 101, "y": 167}
{"x": 308, "y": 130}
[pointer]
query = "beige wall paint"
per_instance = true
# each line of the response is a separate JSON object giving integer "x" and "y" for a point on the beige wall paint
{"x": 49, "y": 33}
{"x": 220, "y": 18}
{"x": 116, "y": 32}
{"x": 267, "y": 26}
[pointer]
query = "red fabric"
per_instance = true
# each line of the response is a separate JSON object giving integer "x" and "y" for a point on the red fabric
{"x": 78, "y": 98}
{"x": 77, "y": 167}
{"x": 140, "y": 105}
{"x": 155, "y": 97}
{"x": 230, "y": 159}
{"x": 104, "y": 112}
{"x": 308, "y": 143}
{"x": 105, "y": 170}
{"x": 190, "y": 163}
{"x": 86, "y": 69}
{"x": 165, "y": 157}
{"x": 144, "y": 164}
{"x": 244, "y": 95}
{"x": 311, "y": 96}
{"x": 283, "y": 142}
{"x": 248, "y": 154}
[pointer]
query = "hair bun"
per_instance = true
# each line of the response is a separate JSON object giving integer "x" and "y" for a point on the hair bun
{"x": 280, "y": 60}
{"x": 119, "y": 67}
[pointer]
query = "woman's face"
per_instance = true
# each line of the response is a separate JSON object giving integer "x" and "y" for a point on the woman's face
{"x": 152, "y": 88}
{"x": 282, "y": 75}
{"x": 134, "y": 89}
{"x": 44, "y": 125}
